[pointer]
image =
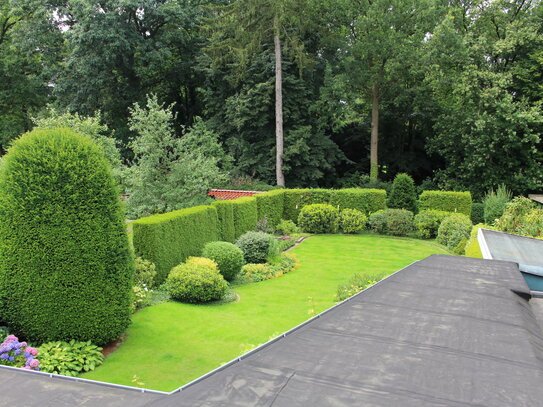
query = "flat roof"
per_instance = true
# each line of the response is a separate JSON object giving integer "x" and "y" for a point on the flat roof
{"x": 445, "y": 331}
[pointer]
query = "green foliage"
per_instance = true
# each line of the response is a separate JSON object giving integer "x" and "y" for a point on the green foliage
{"x": 365, "y": 200}
{"x": 514, "y": 215}
{"x": 454, "y": 232}
{"x": 69, "y": 358}
{"x": 141, "y": 297}
{"x": 357, "y": 283}
{"x": 87, "y": 126}
{"x": 494, "y": 203}
{"x": 169, "y": 239}
{"x": 229, "y": 258}
{"x": 427, "y": 223}
{"x": 396, "y": 222}
{"x": 532, "y": 224}
{"x": 252, "y": 273}
{"x": 145, "y": 273}
{"x": 285, "y": 243}
{"x": 448, "y": 201}
{"x": 270, "y": 205}
{"x": 165, "y": 176}
{"x": 63, "y": 239}
{"x": 196, "y": 283}
{"x": 318, "y": 218}
{"x": 256, "y": 246}
{"x": 352, "y": 221}
{"x": 477, "y": 212}
{"x": 245, "y": 215}
{"x": 225, "y": 213}
{"x": 403, "y": 194}
{"x": 286, "y": 227}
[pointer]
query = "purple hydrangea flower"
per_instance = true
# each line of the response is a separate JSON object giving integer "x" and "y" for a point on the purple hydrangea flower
{"x": 4, "y": 356}
{"x": 11, "y": 358}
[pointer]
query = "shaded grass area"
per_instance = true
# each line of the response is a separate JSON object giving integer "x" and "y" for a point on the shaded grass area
{"x": 170, "y": 344}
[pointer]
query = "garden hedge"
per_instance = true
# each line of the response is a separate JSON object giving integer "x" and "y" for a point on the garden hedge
{"x": 448, "y": 201}
{"x": 245, "y": 215}
{"x": 170, "y": 238}
{"x": 270, "y": 206}
{"x": 66, "y": 269}
{"x": 364, "y": 199}
{"x": 225, "y": 213}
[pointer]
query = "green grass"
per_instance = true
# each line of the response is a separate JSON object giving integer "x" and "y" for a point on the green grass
{"x": 171, "y": 344}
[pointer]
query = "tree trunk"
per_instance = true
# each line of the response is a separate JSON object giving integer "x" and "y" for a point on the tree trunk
{"x": 374, "y": 144}
{"x": 278, "y": 108}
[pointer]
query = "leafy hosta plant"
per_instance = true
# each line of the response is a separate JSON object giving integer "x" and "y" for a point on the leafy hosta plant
{"x": 69, "y": 358}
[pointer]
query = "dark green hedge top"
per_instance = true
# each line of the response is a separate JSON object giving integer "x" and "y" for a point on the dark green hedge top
{"x": 65, "y": 265}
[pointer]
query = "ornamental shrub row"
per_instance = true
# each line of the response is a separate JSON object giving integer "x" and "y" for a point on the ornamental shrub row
{"x": 448, "y": 201}
{"x": 170, "y": 238}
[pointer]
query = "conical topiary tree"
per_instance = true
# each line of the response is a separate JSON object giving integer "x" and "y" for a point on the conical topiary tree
{"x": 403, "y": 194}
{"x": 65, "y": 264}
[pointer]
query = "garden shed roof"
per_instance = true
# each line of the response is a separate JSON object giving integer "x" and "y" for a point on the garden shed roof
{"x": 445, "y": 331}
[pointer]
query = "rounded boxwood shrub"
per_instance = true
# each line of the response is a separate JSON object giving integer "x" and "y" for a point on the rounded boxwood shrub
{"x": 228, "y": 256}
{"x": 286, "y": 227}
{"x": 427, "y": 223}
{"x": 66, "y": 269}
{"x": 195, "y": 283}
{"x": 453, "y": 229}
{"x": 256, "y": 246}
{"x": 396, "y": 222}
{"x": 318, "y": 218}
{"x": 403, "y": 194}
{"x": 352, "y": 221}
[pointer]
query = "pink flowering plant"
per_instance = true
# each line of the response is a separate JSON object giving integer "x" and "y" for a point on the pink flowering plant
{"x": 18, "y": 354}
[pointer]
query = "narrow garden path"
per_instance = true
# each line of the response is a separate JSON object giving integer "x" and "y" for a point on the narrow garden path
{"x": 171, "y": 344}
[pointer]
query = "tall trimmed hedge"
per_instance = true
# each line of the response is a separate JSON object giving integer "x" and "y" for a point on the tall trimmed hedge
{"x": 170, "y": 238}
{"x": 65, "y": 264}
{"x": 270, "y": 205}
{"x": 363, "y": 199}
{"x": 225, "y": 213}
{"x": 245, "y": 215}
{"x": 448, "y": 201}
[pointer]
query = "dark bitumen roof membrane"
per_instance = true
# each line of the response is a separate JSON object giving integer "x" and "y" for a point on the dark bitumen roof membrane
{"x": 445, "y": 331}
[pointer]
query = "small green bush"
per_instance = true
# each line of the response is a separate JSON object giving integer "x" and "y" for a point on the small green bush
{"x": 514, "y": 216}
{"x": 403, "y": 194}
{"x": 69, "y": 358}
{"x": 196, "y": 283}
{"x": 427, "y": 223}
{"x": 477, "y": 213}
{"x": 287, "y": 227}
{"x": 453, "y": 229}
{"x": 396, "y": 222}
{"x": 352, "y": 221}
{"x": 494, "y": 203}
{"x": 141, "y": 298}
{"x": 532, "y": 224}
{"x": 448, "y": 201}
{"x": 229, "y": 258}
{"x": 256, "y": 246}
{"x": 357, "y": 283}
{"x": 318, "y": 218}
{"x": 145, "y": 273}
{"x": 252, "y": 273}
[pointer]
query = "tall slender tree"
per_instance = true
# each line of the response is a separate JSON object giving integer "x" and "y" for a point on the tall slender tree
{"x": 243, "y": 27}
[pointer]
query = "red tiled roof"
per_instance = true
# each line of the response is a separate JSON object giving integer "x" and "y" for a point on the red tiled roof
{"x": 227, "y": 194}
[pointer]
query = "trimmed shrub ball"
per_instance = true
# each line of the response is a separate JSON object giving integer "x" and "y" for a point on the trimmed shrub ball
{"x": 453, "y": 229}
{"x": 196, "y": 283}
{"x": 352, "y": 221}
{"x": 256, "y": 246}
{"x": 66, "y": 269}
{"x": 228, "y": 256}
{"x": 427, "y": 223}
{"x": 318, "y": 218}
{"x": 396, "y": 222}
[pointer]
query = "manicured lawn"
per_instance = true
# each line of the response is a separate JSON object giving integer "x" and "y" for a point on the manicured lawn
{"x": 171, "y": 344}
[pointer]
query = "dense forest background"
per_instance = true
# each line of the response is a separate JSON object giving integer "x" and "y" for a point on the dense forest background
{"x": 458, "y": 85}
